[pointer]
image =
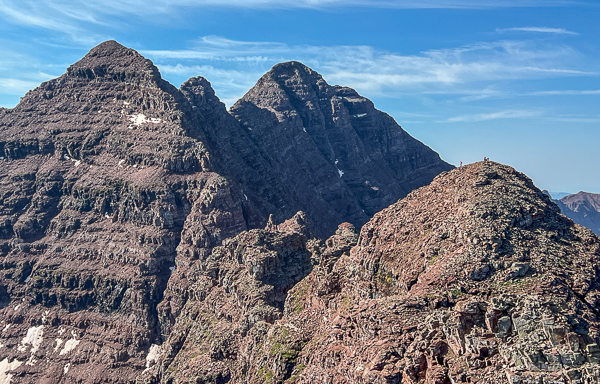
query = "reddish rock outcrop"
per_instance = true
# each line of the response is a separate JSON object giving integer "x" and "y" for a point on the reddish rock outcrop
{"x": 117, "y": 193}
{"x": 474, "y": 278}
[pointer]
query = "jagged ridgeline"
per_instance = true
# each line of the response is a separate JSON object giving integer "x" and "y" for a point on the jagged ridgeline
{"x": 476, "y": 278}
{"x": 124, "y": 199}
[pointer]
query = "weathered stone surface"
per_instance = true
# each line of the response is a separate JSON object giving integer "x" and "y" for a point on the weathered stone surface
{"x": 402, "y": 307}
{"x": 340, "y": 155}
{"x": 117, "y": 193}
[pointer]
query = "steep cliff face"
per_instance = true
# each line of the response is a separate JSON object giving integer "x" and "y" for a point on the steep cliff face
{"x": 99, "y": 184}
{"x": 120, "y": 201}
{"x": 339, "y": 154}
{"x": 474, "y": 278}
{"x": 583, "y": 208}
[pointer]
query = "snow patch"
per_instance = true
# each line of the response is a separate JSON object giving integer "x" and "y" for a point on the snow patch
{"x": 66, "y": 368}
{"x": 360, "y": 115}
{"x": 77, "y": 162}
{"x": 70, "y": 345}
{"x": 171, "y": 269}
{"x": 246, "y": 197}
{"x": 121, "y": 163}
{"x": 1, "y": 157}
{"x": 304, "y": 129}
{"x": 340, "y": 172}
{"x": 153, "y": 355}
{"x": 58, "y": 344}
{"x": 28, "y": 278}
{"x": 6, "y": 327}
{"x": 140, "y": 119}
{"x": 5, "y": 366}
{"x": 34, "y": 338}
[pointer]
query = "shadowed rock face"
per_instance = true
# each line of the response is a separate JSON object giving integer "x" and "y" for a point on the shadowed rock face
{"x": 340, "y": 155}
{"x": 474, "y": 278}
{"x": 583, "y": 208}
{"x": 125, "y": 203}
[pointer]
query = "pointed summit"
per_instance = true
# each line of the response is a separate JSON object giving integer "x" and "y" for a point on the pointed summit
{"x": 116, "y": 62}
{"x": 291, "y": 68}
{"x": 356, "y": 150}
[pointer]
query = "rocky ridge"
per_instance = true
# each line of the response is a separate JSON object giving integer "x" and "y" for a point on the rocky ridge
{"x": 121, "y": 196}
{"x": 477, "y": 277}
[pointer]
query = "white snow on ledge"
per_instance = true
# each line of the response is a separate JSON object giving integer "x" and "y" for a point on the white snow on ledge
{"x": 140, "y": 119}
{"x": 34, "y": 338}
{"x": 70, "y": 345}
{"x": 360, "y": 115}
{"x": 153, "y": 355}
{"x": 340, "y": 172}
{"x": 6, "y": 366}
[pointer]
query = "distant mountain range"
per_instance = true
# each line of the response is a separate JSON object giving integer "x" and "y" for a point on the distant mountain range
{"x": 583, "y": 208}
{"x": 559, "y": 195}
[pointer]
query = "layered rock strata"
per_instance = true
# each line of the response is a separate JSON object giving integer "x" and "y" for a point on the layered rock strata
{"x": 117, "y": 193}
{"x": 474, "y": 278}
{"x": 345, "y": 159}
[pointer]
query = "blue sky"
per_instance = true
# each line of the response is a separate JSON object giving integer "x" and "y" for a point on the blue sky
{"x": 514, "y": 80}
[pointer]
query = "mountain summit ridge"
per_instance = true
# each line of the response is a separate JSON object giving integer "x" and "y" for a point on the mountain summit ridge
{"x": 119, "y": 191}
{"x": 476, "y": 277}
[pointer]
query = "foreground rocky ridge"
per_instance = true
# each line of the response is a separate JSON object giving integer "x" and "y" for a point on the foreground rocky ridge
{"x": 474, "y": 278}
{"x": 121, "y": 196}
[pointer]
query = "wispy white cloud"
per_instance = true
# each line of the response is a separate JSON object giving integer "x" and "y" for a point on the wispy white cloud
{"x": 74, "y": 17}
{"x": 20, "y": 73}
{"x": 17, "y": 87}
{"x": 559, "y": 31}
{"x": 567, "y": 92}
{"x": 507, "y": 114}
{"x": 470, "y": 71}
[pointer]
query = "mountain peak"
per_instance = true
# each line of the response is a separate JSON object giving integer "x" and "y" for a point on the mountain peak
{"x": 117, "y": 62}
{"x": 109, "y": 48}
{"x": 291, "y": 67}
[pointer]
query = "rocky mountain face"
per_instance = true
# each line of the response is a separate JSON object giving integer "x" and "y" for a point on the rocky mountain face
{"x": 138, "y": 221}
{"x": 351, "y": 159}
{"x": 583, "y": 208}
{"x": 477, "y": 277}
